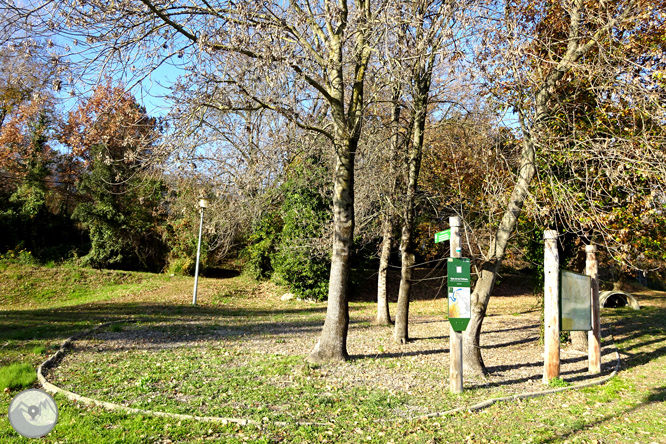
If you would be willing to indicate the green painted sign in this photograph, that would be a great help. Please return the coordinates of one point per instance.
(460, 300)
(443, 236)
(575, 302)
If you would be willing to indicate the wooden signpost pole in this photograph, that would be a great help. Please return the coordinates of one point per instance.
(456, 337)
(551, 309)
(594, 335)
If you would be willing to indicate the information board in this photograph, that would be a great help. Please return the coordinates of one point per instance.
(459, 283)
(575, 302)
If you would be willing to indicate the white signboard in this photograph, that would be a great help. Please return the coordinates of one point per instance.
(575, 302)
(459, 302)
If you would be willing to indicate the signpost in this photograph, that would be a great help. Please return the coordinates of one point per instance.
(594, 335)
(551, 307)
(459, 285)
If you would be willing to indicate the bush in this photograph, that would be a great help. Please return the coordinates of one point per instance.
(558, 382)
(301, 260)
(180, 266)
(123, 224)
(21, 256)
(289, 243)
(262, 245)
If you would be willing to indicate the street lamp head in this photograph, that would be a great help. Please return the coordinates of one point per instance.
(204, 201)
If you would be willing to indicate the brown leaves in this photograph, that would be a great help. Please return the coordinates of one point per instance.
(20, 137)
(112, 118)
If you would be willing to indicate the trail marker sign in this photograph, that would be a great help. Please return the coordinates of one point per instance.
(460, 301)
(443, 236)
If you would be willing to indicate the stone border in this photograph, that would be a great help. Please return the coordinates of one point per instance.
(54, 360)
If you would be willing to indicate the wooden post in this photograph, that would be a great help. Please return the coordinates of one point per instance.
(594, 335)
(551, 308)
(456, 337)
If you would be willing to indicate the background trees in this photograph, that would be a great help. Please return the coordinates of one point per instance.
(121, 205)
(31, 190)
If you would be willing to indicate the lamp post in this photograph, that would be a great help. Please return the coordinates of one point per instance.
(203, 203)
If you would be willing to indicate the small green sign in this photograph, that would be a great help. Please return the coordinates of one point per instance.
(460, 300)
(443, 236)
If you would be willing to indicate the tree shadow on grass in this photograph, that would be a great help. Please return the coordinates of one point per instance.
(61, 323)
(526, 327)
(394, 355)
(511, 343)
(638, 334)
(659, 395)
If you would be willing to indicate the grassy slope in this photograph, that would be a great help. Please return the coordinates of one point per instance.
(40, 307)
(30, 286)
(628, 409)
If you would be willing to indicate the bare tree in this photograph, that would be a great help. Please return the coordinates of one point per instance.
(388, 213)
(427, 33)
(245, 55)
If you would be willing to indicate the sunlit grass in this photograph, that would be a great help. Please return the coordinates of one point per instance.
(199, 377)
(17, 376)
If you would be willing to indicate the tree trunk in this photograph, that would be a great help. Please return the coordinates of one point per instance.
(619, 284)
(332, 344)
(472, 360)
(579, 340)
(401, 333)
(383, 315)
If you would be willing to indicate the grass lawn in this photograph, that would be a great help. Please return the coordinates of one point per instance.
(240, 352)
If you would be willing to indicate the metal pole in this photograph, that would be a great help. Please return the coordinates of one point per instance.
(455, 337)
(196, 269)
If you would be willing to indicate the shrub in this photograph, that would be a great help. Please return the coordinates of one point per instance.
(289, 244)
(558, 382)
(21, 256)
(262, 245)
(301, 260)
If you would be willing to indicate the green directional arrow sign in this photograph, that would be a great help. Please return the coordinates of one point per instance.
(443, 236)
